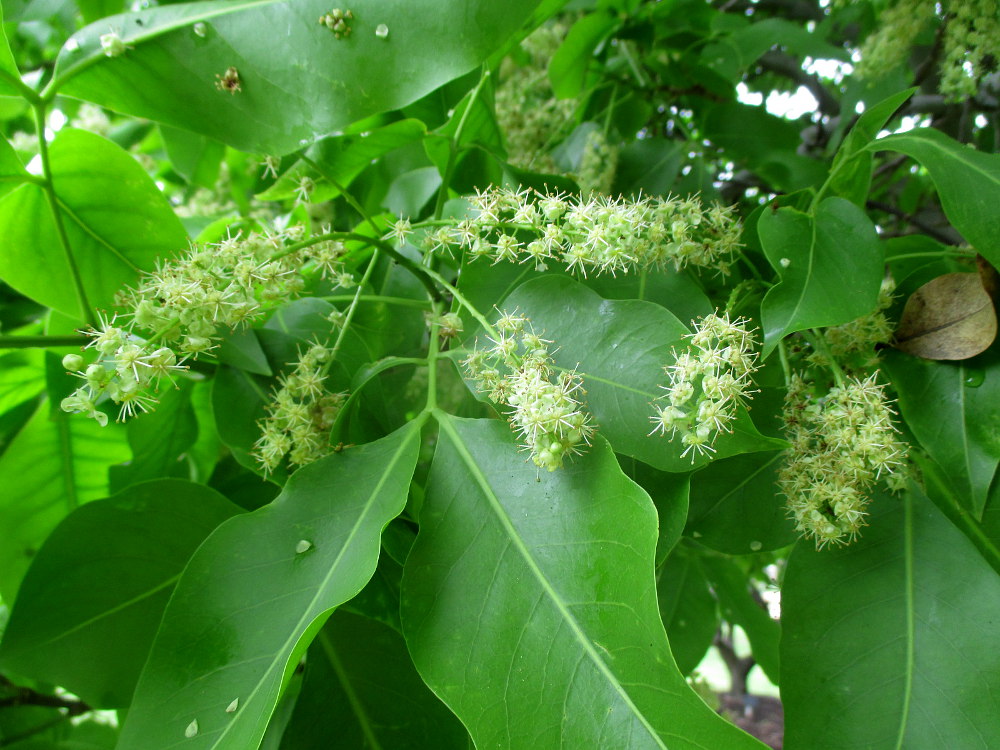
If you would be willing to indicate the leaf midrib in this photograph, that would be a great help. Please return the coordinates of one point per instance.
(444, 420)
(302, 624)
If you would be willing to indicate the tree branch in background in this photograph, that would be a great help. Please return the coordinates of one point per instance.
(14, 695)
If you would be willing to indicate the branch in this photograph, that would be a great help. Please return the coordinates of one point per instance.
(23, 696)
(739, 668)
(933, 232)
(795, 10)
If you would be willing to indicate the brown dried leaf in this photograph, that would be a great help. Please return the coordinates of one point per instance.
(989, 276)
(950, 317)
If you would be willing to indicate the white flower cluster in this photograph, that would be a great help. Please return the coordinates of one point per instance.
(840, 445)
(594, 235)
(177, 311)
(708, 382)
(300, 414)
(545, 409)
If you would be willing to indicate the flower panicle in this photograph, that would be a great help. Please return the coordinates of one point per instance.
(707, 382)
(177, 312)
(543, 403)
(841, 444)
(593, 235)
(300, 414)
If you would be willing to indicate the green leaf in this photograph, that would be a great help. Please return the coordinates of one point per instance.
(298, 81)
(568, 66)
(9, 75)
(687, 607)
(620, 348)
(735, 507)
(159, 439)
(953, 410)
(766, 143)
(361, 690)
(55, 463)
(80, 606)
(12, 171)
(670, 494)
(648, 166)
(22, 376)
(339, 159)
(196, 158)
(830, 268)
(117, 222)
(890, 642)
(851, 172)
(564, 646)
(968, 183)
(258, 590)
(740, 607)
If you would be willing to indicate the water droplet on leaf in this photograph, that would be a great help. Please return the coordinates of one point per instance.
(233, 706)
(304, 545)
(381, 31)
(755, 546)
(974, 377)
(192, 729)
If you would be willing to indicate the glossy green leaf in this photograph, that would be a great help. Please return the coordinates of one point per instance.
(740, 607)
(12, 171)
(830, 268)
(22, 374)
(240, 348)
(337, 160)
(736, 507)
(196, 158)
(953, 409)
(891, 641)
(361, 690)
(648, 166)
(80, 605)
(117, 223)
(55, 463)
(968, 183)
(568, 66)
(687, 607)
(9, 75)
(257, 591)
(298, 81)
(565, 648)
(670, 494)
(159, 439)
(851, 172)
(620, 348)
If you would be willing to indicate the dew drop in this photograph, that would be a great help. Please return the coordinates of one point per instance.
(231, 708)
(381, 31)
(72, 45)
(974, 377)
(200, 30)
(755, 546)
(192, 729)
(304, 545)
